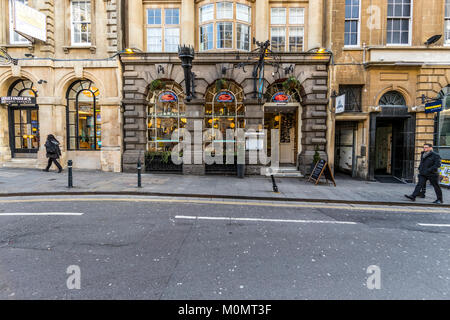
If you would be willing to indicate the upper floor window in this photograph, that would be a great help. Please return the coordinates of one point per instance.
(14, 37)
(80, 22)
(353, 97)
(351, 35)
(163, 29)
(287, 29)
(392, 98)
(399, 22)
(225, 25)
(447, 22)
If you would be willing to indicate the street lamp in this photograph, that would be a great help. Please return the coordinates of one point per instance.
(186, 55)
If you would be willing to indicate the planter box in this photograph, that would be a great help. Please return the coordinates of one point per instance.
(224, 168)
(157, 165)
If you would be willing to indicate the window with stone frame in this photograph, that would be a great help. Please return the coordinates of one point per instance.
(14, 37)
(351, 33)
(80, 22)
(447, 22)
(353, 97)
(163, 29)
(442, 125)
(287, 29)
(399, 19)
(225, 25)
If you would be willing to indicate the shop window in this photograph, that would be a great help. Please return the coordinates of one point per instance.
(442, 125)
(287, 29)
(166, 113)
(353, 99)
(83, 117)
(225, 25)
(447, 22)
(14, 37)
(351, 33)
(163, 29)
(399, 22)
(224, 109)
(392, 98)
(80, 22)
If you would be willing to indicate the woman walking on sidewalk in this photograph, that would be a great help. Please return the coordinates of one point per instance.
(53, 152)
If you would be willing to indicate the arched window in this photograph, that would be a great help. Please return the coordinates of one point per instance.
(442, 125)
(224, 108)
(23, 117)
(166, 113)
(392, 98)
(83, 117)
(225, 25)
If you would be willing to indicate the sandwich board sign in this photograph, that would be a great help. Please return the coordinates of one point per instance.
(322, 168)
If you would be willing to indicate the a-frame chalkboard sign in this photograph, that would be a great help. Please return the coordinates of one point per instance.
(322, 168)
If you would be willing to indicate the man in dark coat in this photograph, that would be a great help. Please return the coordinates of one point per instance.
(53, 152)
(430, 163)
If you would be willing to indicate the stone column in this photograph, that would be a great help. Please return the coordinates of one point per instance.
(46, 122)
(315, 25)
(5, 152)
(188, 22)
(135, 24)
(262, 21)
(110, 158)
(195, 113)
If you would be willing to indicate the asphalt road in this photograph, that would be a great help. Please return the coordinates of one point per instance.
(173, 248)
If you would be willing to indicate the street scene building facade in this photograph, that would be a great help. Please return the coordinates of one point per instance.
(288, 93)
(64, 67)
(390, 59)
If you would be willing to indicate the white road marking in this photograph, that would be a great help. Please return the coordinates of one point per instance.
(262, 220)
(41, 214)
(433, 225)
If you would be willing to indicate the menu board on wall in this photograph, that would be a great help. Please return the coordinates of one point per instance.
(444, 172)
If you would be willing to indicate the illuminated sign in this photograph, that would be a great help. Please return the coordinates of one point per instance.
(168, 96)
(21, 100)
(281, 97)
(225, 96)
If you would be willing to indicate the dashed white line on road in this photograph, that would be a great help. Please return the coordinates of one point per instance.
(433, 225)
(262, 220)
(41, 214)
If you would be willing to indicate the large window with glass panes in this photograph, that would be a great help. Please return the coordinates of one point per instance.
(163, 29)
(287, 28)
(225, 25)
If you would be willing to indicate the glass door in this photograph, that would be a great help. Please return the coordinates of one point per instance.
(24, 124)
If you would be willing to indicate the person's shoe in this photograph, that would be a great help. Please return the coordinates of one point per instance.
(438, 201)
(421, 195)
(60, 170)
(45, 170)
(412, 198)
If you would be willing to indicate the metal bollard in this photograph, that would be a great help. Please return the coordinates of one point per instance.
(69, 166)
(139, 169)
(274, 185)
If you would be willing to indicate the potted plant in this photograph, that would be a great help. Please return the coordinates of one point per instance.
(156, 85)
(316, 158)
(221, 84)
(291, 83)
(161, 161)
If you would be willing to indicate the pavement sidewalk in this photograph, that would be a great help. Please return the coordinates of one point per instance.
(15, 181)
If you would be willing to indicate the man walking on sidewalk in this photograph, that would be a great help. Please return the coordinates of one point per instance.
(53, 152)
(430, 163)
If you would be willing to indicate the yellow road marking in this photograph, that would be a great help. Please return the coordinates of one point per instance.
(240, 203)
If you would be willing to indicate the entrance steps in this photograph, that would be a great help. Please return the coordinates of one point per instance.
(24, 163)
(288, 172)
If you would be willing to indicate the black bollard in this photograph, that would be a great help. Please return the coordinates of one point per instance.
(69, 166)
(274, 185)
(139, 169)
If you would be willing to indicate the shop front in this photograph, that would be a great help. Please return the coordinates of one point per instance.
(226, 100)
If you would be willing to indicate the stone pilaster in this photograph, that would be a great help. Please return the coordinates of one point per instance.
(5, 151)
(188, 22)
(195, 114)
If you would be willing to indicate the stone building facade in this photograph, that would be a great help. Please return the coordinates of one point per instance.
(384, 65)
(222, 33)
(74, 79)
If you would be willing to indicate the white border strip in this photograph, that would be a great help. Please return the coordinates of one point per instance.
(262, 220)
(41, 214)
(433, 225)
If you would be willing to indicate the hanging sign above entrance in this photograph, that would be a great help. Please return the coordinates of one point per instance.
(340, 104)
(21, 100)
(168, 96)
(281, 97)
(322, 168)
(434, 106)
(225, 96)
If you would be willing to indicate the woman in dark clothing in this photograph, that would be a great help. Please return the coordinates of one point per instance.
(53, 152)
